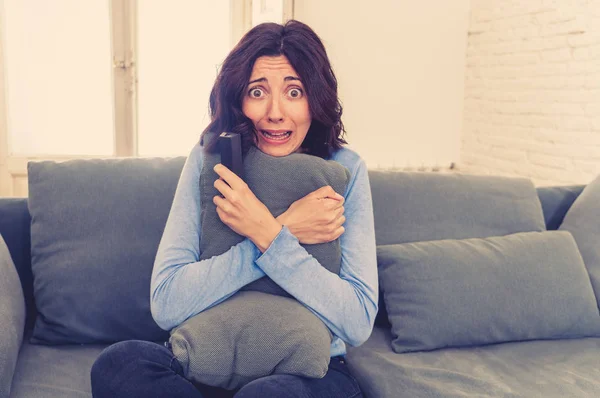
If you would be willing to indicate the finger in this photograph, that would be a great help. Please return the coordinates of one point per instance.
(324, 191)
(337, 196)
(330, 193)
(221, 204)
(220, 213)
(229, 176)
(339, 232)
(223, 188)
(330, 237)
(333, 218)
(331, 204)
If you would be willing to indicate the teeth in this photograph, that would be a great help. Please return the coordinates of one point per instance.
(281, 136)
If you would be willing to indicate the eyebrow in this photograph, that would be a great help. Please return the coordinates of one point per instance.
(287, 79)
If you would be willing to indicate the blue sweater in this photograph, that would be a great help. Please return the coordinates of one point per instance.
(182, 286)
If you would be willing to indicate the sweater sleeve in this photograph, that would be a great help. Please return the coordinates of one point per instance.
(182, 286)
(346, 303)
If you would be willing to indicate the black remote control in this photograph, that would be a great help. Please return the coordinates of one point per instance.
(230, 145)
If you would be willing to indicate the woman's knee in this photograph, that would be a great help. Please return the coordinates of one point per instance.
(115, 356)
(118, 360)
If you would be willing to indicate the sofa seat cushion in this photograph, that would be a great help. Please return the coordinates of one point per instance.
(539, 368)
(54, 371)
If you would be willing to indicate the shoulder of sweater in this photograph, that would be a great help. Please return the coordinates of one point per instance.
(348, 158)
(196, 152)
(196, 156)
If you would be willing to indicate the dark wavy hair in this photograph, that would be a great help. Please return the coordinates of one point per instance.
(306, 53)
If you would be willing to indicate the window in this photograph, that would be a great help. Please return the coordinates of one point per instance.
(181, 45)
(116, 77)
(58, 77)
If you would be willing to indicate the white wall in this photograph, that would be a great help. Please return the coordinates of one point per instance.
(400, 67)
(532, 94)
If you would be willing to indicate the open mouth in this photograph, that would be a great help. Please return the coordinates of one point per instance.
(276, 137)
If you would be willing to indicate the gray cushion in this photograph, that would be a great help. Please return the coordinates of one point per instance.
(55, 371)
(549, 369)
(277, 182)
(95, 229)
(453, 293)
(583, 221)
(250, 335)
(253, 334)
(412, 207)
(12, 318)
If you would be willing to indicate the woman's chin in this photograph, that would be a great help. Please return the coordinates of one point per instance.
(276, 151)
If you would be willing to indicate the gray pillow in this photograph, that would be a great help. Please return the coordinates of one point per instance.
(253, 334)
(583, 221)
(95, 228)
(455, 293)
(12, 318)
(277, 182)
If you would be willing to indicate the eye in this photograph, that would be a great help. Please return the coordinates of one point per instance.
(295, 92)
(255, 92)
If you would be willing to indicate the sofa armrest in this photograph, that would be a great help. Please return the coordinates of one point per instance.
(12, 318)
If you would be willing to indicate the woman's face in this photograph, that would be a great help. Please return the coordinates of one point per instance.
(276, 103)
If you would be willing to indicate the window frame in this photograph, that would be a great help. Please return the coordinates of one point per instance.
(123, 21)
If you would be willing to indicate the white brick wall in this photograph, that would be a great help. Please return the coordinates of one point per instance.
(532, 90)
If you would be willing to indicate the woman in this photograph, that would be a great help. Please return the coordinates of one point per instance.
(277, 89)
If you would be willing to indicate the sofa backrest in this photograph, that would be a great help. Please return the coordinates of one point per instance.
(15, 222)
(420, 206)
(556, 201)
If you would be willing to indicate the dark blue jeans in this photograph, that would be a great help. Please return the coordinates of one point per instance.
(142, 369)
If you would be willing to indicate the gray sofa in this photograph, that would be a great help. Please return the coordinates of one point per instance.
(82, 246)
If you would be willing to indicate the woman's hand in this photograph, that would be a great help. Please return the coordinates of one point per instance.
(241, 210)
(317, 217)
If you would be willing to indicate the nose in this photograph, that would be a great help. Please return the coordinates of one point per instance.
(275, 111)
